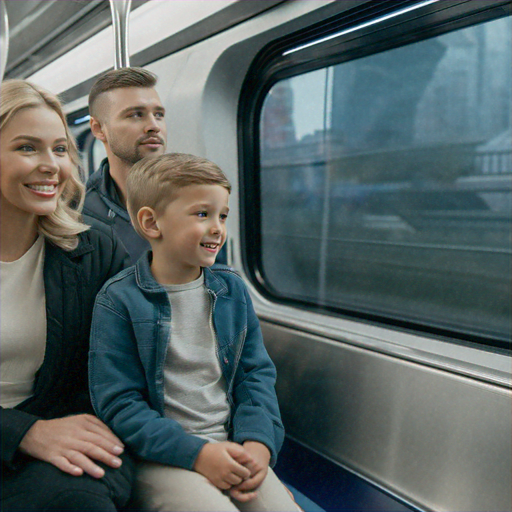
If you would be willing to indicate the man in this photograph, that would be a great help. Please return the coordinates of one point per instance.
(128, 117)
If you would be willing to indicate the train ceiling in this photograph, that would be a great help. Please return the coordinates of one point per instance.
(42, 30)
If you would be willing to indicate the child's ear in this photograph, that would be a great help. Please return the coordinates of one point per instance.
(146, 217)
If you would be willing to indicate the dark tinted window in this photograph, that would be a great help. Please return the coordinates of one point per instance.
(386, 184)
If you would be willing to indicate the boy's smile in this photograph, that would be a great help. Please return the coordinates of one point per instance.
(192, 232)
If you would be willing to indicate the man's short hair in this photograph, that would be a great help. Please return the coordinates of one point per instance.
(154, 181)
(119, 79)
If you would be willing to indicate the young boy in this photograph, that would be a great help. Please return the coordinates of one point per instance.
(178, 368)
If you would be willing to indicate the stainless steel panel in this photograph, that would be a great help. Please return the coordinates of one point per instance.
(441, 440)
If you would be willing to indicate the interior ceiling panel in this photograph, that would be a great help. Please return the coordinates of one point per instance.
(42, 30)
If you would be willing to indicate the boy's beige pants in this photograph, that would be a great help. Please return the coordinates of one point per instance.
(169, 489)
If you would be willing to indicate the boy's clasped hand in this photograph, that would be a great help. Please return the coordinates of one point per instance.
(239, 469)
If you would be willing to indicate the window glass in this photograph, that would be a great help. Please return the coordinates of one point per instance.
(386, 183)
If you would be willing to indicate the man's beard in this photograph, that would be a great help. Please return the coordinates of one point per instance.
(128, 155)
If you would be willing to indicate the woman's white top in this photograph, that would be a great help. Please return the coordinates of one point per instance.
(22, 324)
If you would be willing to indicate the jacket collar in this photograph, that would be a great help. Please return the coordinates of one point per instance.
(147, 282)
(213, 282)
(106, 188)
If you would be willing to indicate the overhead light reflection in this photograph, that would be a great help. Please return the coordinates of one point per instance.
(361, 26)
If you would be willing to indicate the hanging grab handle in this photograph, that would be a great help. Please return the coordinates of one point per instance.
(120, 17)
(4, 35)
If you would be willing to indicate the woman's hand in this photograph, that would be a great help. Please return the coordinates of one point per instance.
(246, 491)
(73, 443)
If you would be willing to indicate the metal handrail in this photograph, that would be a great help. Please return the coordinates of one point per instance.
(4, 38)
(120, 22)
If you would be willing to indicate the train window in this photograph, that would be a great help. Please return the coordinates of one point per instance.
(385, 185)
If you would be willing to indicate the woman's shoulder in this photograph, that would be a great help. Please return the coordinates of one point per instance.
(99, 251)
(101, 236)
(98, 232)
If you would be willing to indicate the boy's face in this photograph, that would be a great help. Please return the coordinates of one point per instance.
(193, 228)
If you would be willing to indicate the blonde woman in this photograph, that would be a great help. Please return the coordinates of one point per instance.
(56, 455)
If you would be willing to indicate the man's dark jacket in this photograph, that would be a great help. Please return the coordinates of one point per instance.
(71, 280)
(103, 203)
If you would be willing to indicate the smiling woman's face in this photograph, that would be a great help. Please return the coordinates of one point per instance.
(34, 163)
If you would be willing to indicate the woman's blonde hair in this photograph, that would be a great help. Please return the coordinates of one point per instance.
(64, 224)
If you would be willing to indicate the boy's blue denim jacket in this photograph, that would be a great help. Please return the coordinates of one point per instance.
(129, 337)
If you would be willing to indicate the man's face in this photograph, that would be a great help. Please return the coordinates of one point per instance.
(133, 123)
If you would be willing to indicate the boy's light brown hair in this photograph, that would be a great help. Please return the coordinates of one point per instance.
(154, 181)
(119, 79)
